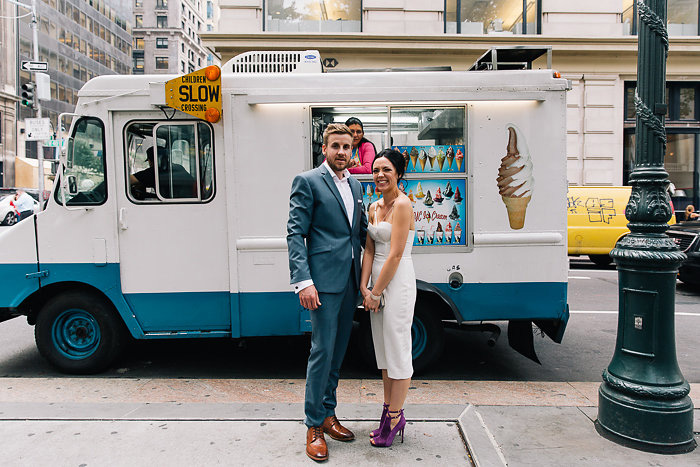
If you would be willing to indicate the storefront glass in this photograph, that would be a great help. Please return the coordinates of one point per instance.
(491, 17)
(682, 17)
(313, 15)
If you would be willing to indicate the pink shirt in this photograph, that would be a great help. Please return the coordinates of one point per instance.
(367, 155)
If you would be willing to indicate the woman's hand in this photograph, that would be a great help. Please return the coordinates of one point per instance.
(364, 291)
(370, 304)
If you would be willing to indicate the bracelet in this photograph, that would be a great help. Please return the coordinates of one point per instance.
(374, 297)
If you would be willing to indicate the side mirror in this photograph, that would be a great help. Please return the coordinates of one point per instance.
(72, 185)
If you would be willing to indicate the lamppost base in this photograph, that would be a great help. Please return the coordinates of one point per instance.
(662, 426)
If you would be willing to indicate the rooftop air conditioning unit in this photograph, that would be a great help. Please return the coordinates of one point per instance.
(266, 62)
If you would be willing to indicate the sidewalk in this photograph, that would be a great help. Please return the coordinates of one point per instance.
(122, 421)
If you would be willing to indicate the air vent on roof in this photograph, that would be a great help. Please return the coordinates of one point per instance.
(307, 61)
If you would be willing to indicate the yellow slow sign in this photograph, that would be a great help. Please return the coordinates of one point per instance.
(197, 93)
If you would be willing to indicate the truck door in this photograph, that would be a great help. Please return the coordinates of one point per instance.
(172, 226)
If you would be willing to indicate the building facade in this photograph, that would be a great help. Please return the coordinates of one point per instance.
(79, 40)
(166, 36)
(594, 45)
(8, 93)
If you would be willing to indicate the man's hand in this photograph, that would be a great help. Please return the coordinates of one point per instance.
(308, 298)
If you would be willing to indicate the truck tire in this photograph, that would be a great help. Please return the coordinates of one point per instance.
(600, 260)
(427, 336)
(79, 333)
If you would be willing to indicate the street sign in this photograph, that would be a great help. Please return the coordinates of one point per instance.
(29, 65)
(54, 143)
(38, 129)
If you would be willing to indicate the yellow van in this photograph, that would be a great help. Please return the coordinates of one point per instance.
(596, 220)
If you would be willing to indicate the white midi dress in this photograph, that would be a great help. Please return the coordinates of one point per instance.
(391, 327)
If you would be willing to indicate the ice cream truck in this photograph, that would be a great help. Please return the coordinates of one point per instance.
(168, 217)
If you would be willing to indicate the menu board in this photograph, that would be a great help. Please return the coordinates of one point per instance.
(433, 158)
(439, 208)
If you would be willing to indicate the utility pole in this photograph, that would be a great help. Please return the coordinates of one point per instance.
(39, 148)
(643, 401)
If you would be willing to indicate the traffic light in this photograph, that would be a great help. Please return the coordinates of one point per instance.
(28, 95)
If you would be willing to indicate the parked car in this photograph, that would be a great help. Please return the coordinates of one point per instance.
(8, 213)
(596, 220)
(687, 237)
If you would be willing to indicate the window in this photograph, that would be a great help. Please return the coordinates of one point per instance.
(313, 16)
(210, 9)
(492, 17)
(138, 3)
(138, 64)
(182, 168)
(161, 63)
(161, 21)
(83, 180)
(682, 158)
(682, 17)
(161, 43)
(139, 43)
(161, 3)
(138, 21)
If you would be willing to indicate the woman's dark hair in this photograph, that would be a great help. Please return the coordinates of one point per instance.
(354, 121)
(396, 159)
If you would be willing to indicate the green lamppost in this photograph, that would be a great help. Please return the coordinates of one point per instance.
(643, 401)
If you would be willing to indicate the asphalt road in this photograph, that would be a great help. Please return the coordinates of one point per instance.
(585, 351)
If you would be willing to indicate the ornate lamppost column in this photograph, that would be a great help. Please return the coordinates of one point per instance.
(643, 401)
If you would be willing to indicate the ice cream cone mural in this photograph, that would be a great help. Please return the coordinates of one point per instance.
(410, 196)
(420, 235)
(438, 197)
(450, 157)
(414, 157)
(422, 158)
(441, 158)
(405, 157)
(419, 191)
(458, 233)
(439, 234)
(448, 233)
(368, 191)
(515, 180)
(448, 191)
(428, 201)
(432, 154)
(459, 158)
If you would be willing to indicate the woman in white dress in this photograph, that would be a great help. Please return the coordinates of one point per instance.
(391, 300)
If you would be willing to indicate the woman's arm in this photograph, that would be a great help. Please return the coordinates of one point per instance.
(367, 258)
(399, 233)
(367, 155)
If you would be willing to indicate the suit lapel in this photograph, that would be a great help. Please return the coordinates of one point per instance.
(356, 196)
(328, 178)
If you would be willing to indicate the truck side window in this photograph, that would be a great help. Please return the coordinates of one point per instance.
(177, 168)
(85, 165)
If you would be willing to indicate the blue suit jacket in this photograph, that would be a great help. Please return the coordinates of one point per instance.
(317, 214)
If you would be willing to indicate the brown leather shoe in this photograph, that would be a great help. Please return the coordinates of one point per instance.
(335, 430)
(316, 447)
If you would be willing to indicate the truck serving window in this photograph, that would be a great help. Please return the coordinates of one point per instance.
(85, 165)
(177, 168)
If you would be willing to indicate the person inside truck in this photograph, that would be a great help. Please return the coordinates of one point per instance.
(24, 204)
(363, 150)
(175, 175)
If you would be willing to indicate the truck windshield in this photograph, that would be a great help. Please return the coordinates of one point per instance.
(85, 165)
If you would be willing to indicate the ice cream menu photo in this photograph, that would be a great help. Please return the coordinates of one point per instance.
(433, 158)
(439, 207)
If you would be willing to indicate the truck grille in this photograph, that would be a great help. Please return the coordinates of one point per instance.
(682, 239)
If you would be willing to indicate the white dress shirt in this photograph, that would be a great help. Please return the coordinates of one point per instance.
(343, 186)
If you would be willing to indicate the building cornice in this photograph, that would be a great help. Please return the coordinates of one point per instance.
(411, 44)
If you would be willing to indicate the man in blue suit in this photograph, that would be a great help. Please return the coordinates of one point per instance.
(325, 209)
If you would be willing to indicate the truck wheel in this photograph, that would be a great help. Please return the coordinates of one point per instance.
(10, 219)
(426, 335)
(600, 260)
(79, 333)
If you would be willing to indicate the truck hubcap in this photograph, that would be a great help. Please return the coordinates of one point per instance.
(76, 334)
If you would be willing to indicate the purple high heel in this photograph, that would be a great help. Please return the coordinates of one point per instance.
(382, 422)
(386, 437)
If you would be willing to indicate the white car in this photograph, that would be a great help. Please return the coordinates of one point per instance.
(8, 213)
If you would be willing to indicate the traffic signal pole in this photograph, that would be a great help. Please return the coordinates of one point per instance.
(39, 148)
